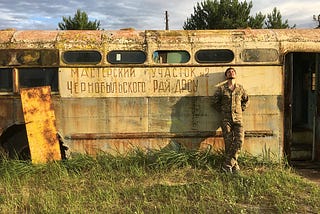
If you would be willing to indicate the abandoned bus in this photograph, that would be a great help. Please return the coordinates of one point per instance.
(117, 90)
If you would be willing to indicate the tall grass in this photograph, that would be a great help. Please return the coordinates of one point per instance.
(163, 181)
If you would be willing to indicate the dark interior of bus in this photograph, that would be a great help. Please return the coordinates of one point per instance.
(301, 101)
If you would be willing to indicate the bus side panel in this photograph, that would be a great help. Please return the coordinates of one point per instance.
(6, 112)
(263, 126)
(10, 111)
(119, 124)
(182, 114)
(103, 115)
(173, 113)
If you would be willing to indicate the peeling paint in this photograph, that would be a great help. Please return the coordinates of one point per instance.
(40, 124)
(115, 107)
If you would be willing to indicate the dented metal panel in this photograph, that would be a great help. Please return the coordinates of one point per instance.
(40, 124)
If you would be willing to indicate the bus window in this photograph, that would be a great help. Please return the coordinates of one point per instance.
(6, 83)
(34, 77)
(29, 57)
(259, 55)
(214, 56)
(81, 57)
(171, 56)
(126, 57)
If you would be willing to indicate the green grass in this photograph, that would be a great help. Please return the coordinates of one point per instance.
(155, 182)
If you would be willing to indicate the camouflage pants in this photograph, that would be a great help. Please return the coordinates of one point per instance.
(233, 135)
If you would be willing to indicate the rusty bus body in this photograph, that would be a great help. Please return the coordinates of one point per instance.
(117, 90)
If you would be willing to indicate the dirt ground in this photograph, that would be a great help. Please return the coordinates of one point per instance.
(310, 174)
(308, 170)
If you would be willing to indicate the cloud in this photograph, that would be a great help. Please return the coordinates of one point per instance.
(138, 14)
(296, 12)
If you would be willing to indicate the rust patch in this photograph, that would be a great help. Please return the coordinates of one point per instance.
(5, 36)
(30, 94)
(44, 97)
(50, 156)
(40, 123)
(31, 111)
(35, 36)
(94, 36)
(47, 133)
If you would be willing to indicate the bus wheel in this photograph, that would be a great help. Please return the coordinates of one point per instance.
(15, 142)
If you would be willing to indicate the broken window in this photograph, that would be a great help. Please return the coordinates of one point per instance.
(6, 80)
(34, 77)
(171, 56)
(29, 57)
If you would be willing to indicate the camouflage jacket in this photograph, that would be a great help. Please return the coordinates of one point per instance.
(231, 104)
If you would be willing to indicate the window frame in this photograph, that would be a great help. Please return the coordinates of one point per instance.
(260, 54)
(74, 62)
(54, 75)
(29, 57)
(165, 56)
(217, 51)
(112, 53)
(9, 80)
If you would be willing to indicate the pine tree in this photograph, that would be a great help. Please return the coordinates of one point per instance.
(80, 21)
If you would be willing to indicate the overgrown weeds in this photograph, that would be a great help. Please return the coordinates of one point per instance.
(161, 181)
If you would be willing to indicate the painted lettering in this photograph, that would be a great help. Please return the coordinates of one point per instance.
(181, 72)
(83, 87)
(69, 86)
(84, 73)
(186, 85)
(205, 73)
(106, 73)
(76, 85)
(105, 87)
(90, 87)
(74, 72)
(161, 86)
(119, 72)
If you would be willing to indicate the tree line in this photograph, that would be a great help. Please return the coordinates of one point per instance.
(208, 14)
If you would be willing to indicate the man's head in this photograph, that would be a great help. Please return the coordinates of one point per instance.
(230, 73)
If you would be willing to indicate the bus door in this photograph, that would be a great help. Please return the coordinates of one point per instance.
(302, 107)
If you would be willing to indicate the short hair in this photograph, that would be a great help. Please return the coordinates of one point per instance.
(228, 69)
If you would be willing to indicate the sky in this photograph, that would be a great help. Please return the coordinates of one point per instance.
(137, 14)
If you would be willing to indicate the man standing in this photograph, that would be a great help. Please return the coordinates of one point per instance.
(231, 100)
